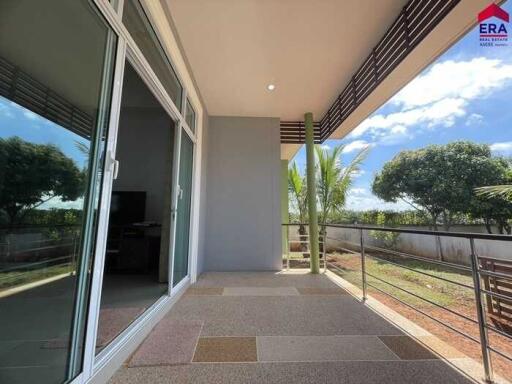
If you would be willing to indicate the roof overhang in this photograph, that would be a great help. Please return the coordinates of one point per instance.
(310, 50)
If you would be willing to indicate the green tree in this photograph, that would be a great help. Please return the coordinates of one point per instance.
(440, 179)
(31, 174)
(494, 203)
(388, 239)
(298, 197)
(334, 179)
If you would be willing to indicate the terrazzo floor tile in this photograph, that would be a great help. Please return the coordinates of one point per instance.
(282, 316)
(344, 372)
(113, 321)
(204, 291)
(322, 348)
(170, 342)
(262, 279)
(407, 348)
(260, 291)
(226, 349)
(314, 291)
(316, 324)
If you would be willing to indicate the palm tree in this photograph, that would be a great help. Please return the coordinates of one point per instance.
(504, 191)
(298, 196)
(334, 180)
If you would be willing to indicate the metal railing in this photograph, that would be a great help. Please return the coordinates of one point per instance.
(303, 241)
(21, 256)
(363, 248)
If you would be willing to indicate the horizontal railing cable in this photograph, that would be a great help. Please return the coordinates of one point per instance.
(426, 314)
(424, 299)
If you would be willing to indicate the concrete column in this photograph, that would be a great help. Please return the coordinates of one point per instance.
(284, 204)
(311, 184)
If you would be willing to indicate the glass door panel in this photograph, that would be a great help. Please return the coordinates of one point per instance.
(181, 246)
(136, 261)
(55, 82)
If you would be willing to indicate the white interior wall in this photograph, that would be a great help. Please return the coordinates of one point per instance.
(144, 151)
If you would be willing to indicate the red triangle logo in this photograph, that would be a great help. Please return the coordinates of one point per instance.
(493, 10)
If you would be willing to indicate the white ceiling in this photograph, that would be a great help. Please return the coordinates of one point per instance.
(307, 48)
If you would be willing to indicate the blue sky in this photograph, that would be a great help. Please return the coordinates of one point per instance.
(464, 95)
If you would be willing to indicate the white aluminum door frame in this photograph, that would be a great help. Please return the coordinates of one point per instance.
(127, 50)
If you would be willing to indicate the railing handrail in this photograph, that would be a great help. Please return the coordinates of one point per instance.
(465, 235)
(30, 265)
(28, 226)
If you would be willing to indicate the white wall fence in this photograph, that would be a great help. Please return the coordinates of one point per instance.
(449, 249)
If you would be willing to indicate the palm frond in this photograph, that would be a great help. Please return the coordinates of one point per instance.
(333, 181)
(503, 191)
(295, 184)
(297, 190)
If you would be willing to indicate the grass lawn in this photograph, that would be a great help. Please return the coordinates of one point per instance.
(13, 279)
(438, 291)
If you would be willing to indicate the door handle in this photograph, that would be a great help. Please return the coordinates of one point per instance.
(115, 171)
(113, 164)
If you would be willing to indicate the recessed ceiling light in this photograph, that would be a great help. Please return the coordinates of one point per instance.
(271, 87)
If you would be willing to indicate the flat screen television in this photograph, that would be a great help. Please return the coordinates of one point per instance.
(127, 207)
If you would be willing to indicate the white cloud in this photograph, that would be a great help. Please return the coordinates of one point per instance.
(356, 145)
(30, 115)
(474, 119)
(503, 148)
(358, 173)
(5, 111)
(360, 199)
(325, 147)
(437, 98)
(442, 113)
(357, 191)
(57, 203)
(355, 174)
(455, 79)
(395, 135)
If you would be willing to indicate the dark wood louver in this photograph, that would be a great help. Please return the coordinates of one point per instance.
(417, 19)
(24, 90)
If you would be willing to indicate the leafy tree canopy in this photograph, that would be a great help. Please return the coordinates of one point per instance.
(440, 179)
(31, 174)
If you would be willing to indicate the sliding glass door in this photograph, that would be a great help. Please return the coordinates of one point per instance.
(56, 64)
(136, 265)
(183, 208)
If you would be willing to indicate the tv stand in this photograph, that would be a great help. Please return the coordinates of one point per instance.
(133, 247)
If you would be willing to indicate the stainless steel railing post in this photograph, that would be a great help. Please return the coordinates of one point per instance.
(324, 253)
(363, 264)
(288, 248)
(480, 310)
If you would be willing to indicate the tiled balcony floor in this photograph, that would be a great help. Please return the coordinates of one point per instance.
(264, 327)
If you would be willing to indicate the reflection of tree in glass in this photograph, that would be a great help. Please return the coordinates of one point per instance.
(31, 174)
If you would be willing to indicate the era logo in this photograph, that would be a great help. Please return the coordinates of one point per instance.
(493, 28)
(493, 32)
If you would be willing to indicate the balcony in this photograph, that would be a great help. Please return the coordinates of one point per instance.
(352, 323)
(241, 327)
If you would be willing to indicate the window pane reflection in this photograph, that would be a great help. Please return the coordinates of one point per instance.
(55, 57)
(142, 32)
